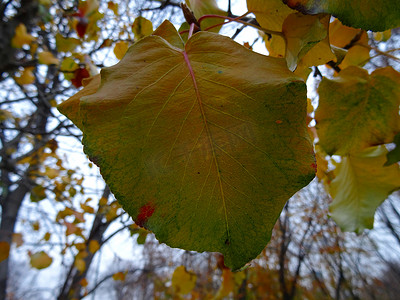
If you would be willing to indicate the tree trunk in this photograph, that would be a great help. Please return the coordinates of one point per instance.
(10, 208)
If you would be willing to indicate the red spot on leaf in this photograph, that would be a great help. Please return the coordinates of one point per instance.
(314, 165)
(145, 212)
(278, 122)
(297, 5)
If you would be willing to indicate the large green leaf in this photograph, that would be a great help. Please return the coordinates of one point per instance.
(201, 145)
(361, 184)
(357, 110)
(375, 15)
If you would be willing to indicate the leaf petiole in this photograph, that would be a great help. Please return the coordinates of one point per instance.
(191, 30)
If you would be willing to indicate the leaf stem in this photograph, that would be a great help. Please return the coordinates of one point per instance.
(238, 20)
(191, 30)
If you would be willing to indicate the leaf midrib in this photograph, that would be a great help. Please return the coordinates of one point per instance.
(198, 97)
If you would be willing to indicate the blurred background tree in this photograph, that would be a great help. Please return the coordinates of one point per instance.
(58, 216)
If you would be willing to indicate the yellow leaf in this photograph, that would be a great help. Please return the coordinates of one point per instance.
(228, 284)
(80, 265)
(341, 35)
(120, 49)
(356, 56)
(103, 201)
(41, 260)
(36, 226)
(310, 107)
(47, 58)
(113, 6)
(322, 164)
(119, 276)
(84, 282)
(4, 250)
(94, 246)
(87, 208)
(355, 41)
(66, 44)
(142, 27)
(183, 282)
(275, 45)
(51, 173)
(303, 33)
(38, 193)
(53, 103)
(206, 7)
(383, 36)
(21, 37)
(361, 184)
(26, 76)
(47, 236)
(80, 246)
(5, 115)
(82, 253)
(270, 14)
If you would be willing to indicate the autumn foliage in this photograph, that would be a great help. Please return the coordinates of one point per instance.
(255, 164)
(233, 127)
